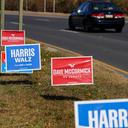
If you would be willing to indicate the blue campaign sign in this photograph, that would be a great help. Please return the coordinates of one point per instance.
(3, 70)
(102, 114)
(3, 67)
(23, 57)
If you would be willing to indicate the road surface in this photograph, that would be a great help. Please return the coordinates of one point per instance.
(106, 46)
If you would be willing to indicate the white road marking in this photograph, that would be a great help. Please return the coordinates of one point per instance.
(15, 23)
(45, 20)
(69, 31)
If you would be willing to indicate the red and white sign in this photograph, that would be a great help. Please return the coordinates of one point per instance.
(71, 71)
(3, 56)
(12, 37)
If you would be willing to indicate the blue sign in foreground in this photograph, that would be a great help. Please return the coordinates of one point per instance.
(23, 57)
(102, 114)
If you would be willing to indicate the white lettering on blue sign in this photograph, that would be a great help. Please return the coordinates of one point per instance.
(102, 114)
(22, 52)
(108, 119)
(23, 57)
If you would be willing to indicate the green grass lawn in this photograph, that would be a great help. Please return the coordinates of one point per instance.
(29, 101)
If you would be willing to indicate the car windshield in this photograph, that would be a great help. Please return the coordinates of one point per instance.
(104, 6)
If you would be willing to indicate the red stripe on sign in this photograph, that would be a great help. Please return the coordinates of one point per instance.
(3, 56)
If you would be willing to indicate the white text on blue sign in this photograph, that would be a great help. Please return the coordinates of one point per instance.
(23, 57)
(113, 114)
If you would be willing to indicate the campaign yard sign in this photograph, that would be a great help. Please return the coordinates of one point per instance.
(102, 114)
(2, 56)
(3, 65)
(71, 71)
(23, 57)
(12, 37)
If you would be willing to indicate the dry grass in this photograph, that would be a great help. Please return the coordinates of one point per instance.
(28, 101)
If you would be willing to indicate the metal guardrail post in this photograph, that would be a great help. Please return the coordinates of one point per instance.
(21, 15)
(2, 13)
(45, 5)
(54, 6)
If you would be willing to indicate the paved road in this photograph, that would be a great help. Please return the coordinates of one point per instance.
(106, 46)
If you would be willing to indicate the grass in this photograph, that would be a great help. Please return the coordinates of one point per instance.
(29, 101)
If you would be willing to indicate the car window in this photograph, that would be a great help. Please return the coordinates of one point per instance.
(86, 7)
(82, 6)
(104, 6)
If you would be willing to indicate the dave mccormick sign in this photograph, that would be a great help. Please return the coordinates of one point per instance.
(23, 57)
(101, 114)
(12, 37)
(71, 71)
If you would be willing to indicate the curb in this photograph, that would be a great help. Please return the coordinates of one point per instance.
(108, 66)
(30, 13)
(50, 14)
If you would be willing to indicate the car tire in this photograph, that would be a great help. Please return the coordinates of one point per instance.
(87, 28)
(70, 24)
(118, 30)
(102, 29)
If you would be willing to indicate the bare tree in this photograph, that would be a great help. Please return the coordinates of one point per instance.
(59, 5)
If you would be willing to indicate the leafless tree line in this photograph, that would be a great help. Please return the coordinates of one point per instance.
(60, 5)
